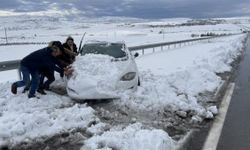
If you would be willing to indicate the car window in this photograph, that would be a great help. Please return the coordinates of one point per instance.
(112, 49)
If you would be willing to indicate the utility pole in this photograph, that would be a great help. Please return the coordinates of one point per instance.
(5, 30)
(115, 35)
(163, 34)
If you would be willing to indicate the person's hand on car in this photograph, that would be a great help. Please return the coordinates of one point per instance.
(68, 70)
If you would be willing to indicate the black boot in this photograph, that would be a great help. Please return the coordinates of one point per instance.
(14, 88)
(41, 91)
(33, 96)
(25, 90)
(47, 88)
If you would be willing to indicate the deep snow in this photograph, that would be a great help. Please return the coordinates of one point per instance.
(172, 79)
(23, 119)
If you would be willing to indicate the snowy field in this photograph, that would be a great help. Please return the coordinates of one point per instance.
(133, 31)
(171, 81)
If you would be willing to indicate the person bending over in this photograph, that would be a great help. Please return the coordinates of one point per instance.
(32, 64)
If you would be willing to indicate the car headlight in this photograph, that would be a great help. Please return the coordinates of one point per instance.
(128, 76)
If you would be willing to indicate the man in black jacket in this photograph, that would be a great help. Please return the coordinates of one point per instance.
(34, 63)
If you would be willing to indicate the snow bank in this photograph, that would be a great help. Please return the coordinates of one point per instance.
(173, 79)
(23, 119)
(133, 137)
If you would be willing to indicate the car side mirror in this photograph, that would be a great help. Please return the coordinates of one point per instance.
(136, 54)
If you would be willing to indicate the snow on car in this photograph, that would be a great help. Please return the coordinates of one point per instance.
(103, 70)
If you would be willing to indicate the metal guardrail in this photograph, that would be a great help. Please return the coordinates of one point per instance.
(161, 45)
(23, 43)
(14, 64)
(9, 65)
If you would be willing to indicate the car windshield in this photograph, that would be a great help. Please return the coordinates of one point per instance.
(112, 49)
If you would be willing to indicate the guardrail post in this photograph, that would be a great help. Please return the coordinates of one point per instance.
(142, 51)
(161, 48)
(19, 73)
(153, 50)
(5, 31)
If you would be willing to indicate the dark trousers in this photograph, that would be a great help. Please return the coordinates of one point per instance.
(26, 73)
(50, 78)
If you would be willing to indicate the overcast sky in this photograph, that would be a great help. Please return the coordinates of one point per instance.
(130, 8)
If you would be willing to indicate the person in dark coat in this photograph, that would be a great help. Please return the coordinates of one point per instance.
(70, 50)
(32, 65)
(70, 45)
(49, 73)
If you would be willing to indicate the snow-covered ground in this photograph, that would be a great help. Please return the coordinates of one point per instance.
(133, 137)
(171, 80)
(25, 120)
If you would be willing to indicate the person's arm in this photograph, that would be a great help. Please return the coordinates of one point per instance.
(57, 66)
(54, 67)
(70, 52)
(59, 70)
(71, 55)
(59, 63)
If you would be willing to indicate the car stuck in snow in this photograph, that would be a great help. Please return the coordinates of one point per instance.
(102, 71)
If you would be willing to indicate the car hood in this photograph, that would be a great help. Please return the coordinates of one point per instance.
(96, 71)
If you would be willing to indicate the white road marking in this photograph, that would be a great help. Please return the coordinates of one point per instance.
(215, 132)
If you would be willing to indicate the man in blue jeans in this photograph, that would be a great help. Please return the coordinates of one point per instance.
(32, 65)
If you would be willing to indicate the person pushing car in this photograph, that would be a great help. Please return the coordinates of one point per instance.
(34, 63)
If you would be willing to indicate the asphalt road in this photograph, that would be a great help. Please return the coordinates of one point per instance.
(236, 130)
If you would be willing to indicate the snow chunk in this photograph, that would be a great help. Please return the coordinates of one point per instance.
(196, 119)
(133, 137)
(209, 115)
(98, 128)
(213, 109)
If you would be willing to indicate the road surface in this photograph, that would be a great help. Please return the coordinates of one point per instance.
(236, 130)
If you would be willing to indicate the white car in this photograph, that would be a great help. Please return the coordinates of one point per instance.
(103, 71)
